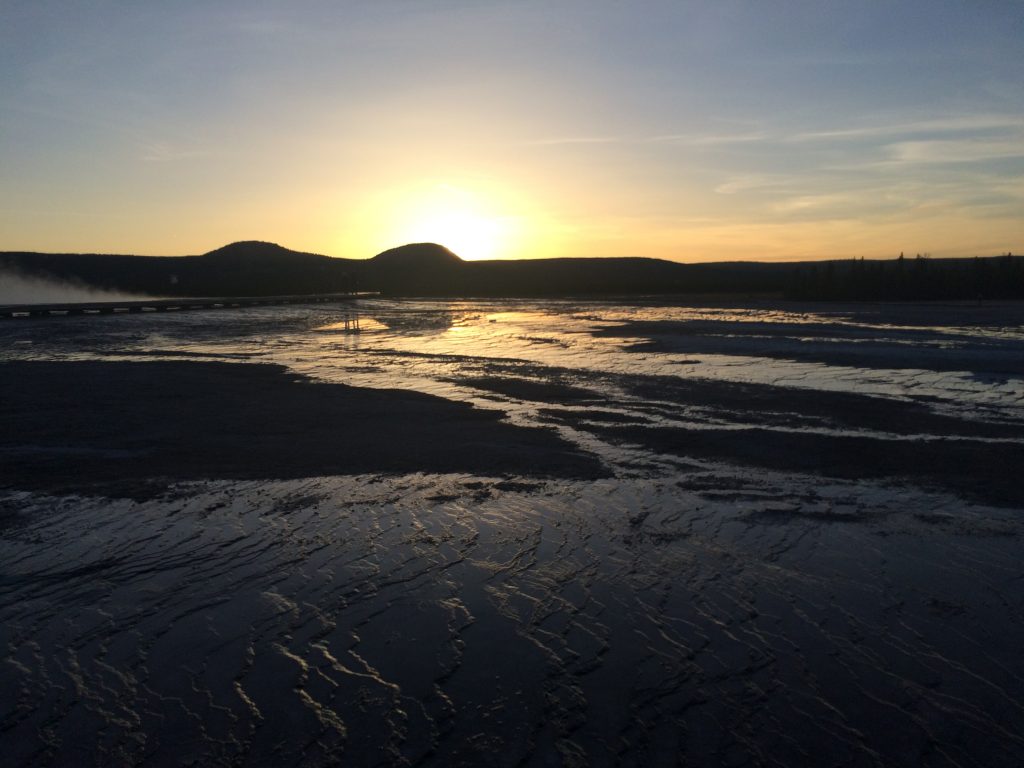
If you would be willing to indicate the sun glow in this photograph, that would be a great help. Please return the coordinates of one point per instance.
(469, 234)
(473, 224)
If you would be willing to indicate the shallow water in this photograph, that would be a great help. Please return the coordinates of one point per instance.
(708, 605)
(420, 344)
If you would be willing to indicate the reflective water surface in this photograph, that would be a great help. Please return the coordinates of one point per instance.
(809, 551)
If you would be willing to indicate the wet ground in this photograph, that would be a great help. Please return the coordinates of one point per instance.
(803, 545)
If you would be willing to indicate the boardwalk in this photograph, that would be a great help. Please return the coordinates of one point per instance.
(167, 305)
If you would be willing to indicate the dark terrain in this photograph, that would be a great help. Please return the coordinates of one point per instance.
(514, 533)
(254, 268)
(129, 429)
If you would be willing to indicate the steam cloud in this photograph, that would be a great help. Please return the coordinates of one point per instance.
(16, 288)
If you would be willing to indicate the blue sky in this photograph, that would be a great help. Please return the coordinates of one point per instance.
(691, 131)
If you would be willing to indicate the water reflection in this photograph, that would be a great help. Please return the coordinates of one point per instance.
(569, 335)
(767, 517)
(428, 321)
(428, 345)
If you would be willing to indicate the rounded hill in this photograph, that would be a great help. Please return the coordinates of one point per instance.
(417, 256)
(251, 251)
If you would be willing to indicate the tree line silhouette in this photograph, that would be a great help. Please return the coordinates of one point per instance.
(910, 279)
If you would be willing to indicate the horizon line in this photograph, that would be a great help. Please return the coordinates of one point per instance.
(772, 260)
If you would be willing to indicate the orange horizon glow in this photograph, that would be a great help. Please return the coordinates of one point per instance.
(493, 218)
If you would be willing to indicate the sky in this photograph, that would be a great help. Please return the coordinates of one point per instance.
(692, 131)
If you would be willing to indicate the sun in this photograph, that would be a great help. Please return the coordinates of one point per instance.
(470, 234)
(468, 222)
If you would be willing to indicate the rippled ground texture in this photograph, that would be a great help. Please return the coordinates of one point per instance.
(806, 550)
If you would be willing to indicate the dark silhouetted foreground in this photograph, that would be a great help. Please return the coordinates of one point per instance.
(112, 427)
(427, 269)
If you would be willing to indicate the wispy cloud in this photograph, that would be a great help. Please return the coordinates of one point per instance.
(750, 182)
(939, 125)
(165, 152)
(1010, 127)
(954, 151)
(879, 198)
(809, 203)
(561, 140)
(688, 139)
(698, 140)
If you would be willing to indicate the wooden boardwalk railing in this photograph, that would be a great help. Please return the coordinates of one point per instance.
(168, 305)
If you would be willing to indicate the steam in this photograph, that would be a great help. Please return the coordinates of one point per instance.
(16, 288)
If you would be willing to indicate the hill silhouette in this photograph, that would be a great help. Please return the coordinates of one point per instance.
(256, 268)
(418, 256)
(414, 269)
(258, 251)
(246, 268)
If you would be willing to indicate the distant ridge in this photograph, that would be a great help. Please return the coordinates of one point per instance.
(257, 268)
(257, 250)
(418, 256)
(244, 268)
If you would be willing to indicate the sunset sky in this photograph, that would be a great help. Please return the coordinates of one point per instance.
(689, 131)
